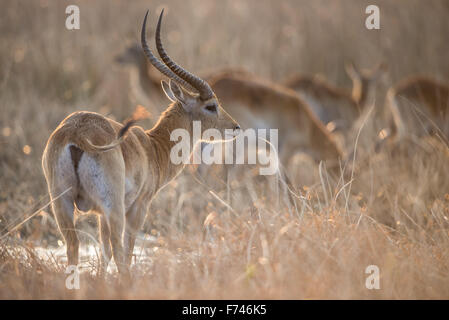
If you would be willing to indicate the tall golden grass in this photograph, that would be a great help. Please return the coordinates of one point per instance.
(388, 209)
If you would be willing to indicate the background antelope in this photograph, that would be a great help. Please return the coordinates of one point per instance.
(419, 106)
(145, 79)
(335, 107)
(262, 104)
(116, 170)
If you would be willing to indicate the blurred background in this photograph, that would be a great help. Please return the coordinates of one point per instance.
(47, 72)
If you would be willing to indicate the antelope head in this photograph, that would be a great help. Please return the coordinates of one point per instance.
(192, 93)
(364, 81)
(132, 55)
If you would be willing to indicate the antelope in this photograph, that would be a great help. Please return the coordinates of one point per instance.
(93, 163)
(419, 106)
(145, 79)
(337, 108)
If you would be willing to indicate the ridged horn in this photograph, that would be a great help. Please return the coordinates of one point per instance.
(157, 63)
(199, 84)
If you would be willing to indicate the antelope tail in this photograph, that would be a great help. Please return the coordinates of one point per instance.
(120, 138)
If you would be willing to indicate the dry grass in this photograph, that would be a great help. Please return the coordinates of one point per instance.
(394, 214)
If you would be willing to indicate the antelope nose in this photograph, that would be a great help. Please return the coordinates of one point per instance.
(237, 130)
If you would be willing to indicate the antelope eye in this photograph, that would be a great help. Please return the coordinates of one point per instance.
(211, 108)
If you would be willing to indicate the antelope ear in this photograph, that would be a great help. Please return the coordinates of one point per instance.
(177, 91)
(351, 70)
(167, 90)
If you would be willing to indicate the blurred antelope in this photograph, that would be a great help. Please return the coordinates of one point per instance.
(419, 106)
(261, 104)
(337, 108)
(144, 78)
(116, 169)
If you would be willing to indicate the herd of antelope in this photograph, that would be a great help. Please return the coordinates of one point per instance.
(92, 162)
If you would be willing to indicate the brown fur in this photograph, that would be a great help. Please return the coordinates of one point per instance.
(419, 105)
(335, 105)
